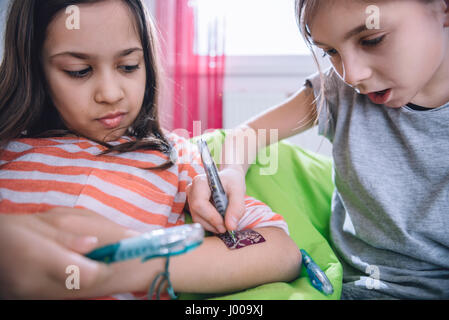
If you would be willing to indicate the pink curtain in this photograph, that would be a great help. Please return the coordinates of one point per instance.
(194, 84)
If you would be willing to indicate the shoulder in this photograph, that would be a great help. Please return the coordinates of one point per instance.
(329, 83)
(188, 158)
(48, 149)
(31, 145)
(186, 150)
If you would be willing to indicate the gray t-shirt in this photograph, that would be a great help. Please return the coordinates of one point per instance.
(390, 209)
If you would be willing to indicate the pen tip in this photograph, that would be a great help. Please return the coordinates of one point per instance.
(232, 234)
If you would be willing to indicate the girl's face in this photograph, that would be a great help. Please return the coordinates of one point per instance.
(408, 54)
(96, 74)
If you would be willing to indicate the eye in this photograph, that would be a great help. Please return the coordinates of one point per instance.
(130, 69)
(330, 53)
(83, 73)
(79, 74)
(372, 42)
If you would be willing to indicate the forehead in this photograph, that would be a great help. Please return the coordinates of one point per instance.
(105, 27)
(335, 20)
(325, 16)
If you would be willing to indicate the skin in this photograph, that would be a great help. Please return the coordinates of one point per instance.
(106, 87)
(65, 234)
(415, 34)
(412, 60)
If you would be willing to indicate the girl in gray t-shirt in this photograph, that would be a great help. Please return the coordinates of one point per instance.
(384, 105)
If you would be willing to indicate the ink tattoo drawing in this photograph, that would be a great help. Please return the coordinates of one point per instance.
(244, 238)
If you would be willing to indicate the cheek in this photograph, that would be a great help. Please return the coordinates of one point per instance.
(68, 99)
(421, 52)
(136, 92)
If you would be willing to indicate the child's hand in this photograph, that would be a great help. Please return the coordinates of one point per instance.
(202, 210)
(36, 249)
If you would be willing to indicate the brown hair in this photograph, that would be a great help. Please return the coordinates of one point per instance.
(26, 109)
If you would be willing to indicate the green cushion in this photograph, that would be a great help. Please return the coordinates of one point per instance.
(300, 190)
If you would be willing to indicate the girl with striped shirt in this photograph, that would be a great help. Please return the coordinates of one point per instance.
(82, 151)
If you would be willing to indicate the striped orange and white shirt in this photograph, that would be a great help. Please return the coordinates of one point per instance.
(39, 174)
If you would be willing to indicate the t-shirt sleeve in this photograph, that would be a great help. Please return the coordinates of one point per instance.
(257, 213)
(326, 101)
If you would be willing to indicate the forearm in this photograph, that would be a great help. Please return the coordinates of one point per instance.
(213, 268)
(241, 147)
(243, 143)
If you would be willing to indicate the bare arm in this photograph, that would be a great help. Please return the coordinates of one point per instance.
(40, 247)
(213, 268)
(290, 118)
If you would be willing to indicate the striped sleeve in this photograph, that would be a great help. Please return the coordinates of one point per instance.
(257, 214)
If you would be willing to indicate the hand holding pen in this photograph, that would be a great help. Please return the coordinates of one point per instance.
(219, 198)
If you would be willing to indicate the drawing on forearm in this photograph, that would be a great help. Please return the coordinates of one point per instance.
(244, 238)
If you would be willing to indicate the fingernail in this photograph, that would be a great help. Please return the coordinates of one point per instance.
(90, 240)
(87, 243)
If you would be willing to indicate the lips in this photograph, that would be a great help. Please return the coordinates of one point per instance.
(113, 120)
(380, 97)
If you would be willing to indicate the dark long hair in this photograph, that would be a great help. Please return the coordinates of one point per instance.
(26, 109)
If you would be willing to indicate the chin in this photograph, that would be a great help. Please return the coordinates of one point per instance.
(396, 103)
(395, 106)
(113, 136)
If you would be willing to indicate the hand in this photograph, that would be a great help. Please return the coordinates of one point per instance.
(202, 210)
(35, 250)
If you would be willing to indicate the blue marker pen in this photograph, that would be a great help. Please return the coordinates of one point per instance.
(158, 243)
(317, 277)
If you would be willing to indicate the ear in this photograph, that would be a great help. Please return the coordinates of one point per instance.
(446, 11)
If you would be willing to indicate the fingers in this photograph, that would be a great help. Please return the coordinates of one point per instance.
(37, 265)
(235, 190)
(206, 225)
(235, 210)
(201, 209)
(39, 223)
(72, 275)
(203, 212)
(80, 244)
(85, 223)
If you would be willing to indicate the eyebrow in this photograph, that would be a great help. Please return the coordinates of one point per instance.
(348, 35)
(84, 56)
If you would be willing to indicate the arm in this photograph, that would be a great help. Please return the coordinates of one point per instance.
(213, 268)
(65, 234)
(290, 118)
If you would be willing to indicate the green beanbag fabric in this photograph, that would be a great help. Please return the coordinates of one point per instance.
(300, 190)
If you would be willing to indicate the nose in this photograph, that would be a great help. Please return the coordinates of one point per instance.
(355, 71)
(109, 89)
